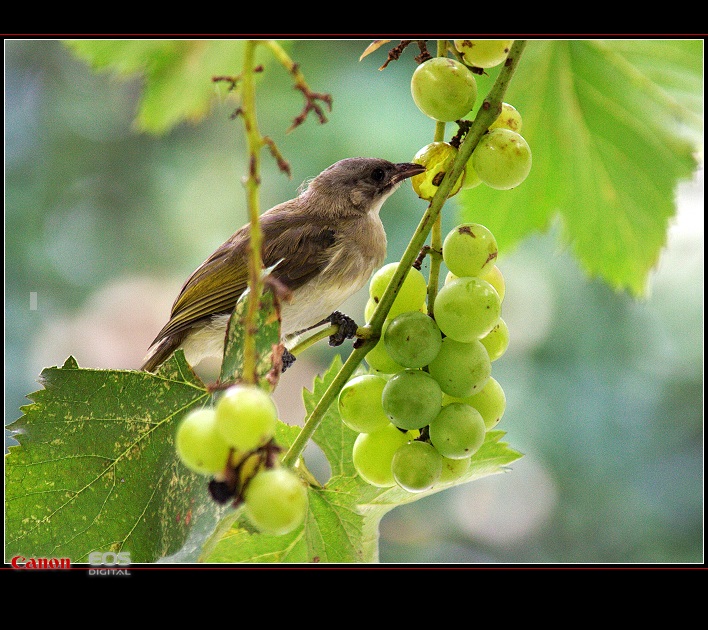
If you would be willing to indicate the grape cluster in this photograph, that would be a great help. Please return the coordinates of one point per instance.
(423, 408)
(233, 441)
(445, 90)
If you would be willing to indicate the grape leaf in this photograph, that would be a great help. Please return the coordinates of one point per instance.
(96, 468)
(267, 341)
(344, 515)
(177, 74)
(613, 126)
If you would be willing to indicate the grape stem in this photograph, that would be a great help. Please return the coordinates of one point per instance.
(488, 113)
(255, 284)
(436, 231)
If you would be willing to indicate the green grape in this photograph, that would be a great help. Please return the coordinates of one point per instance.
(416, 466)
(495, 277)
(470, 249)
(472, 180)
(461, 369)
(502, 159)
(373, 453)
(490, 401)
(437, 157)
(360, 403)
(411, 399)
(276, 500)
(453, 469)
(458, 431)
(246, 416)
(412, 339)
(496, 341)
(467, 308)
(443, 89)
(199, 445)
(509, 118)
(378, 357)
(411, 294)
(483, 53)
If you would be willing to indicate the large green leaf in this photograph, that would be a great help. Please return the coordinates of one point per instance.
(177, 74)
(344, 515)
(613, 127)
(96, 468)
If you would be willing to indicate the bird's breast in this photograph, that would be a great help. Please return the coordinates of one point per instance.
(357, 252)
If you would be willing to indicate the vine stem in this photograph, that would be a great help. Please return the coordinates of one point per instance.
(252, 183)
(436, 231)
(488, 113)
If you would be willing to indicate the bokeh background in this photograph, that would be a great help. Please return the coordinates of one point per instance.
(605, 393)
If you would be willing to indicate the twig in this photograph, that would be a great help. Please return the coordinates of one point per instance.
(252, 183)
(311, 98)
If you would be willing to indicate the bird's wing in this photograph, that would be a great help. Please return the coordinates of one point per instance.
(302, 254)
(213, 288)
(218, 282)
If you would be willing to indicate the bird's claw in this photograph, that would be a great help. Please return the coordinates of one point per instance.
(347, 328)
(287, 359)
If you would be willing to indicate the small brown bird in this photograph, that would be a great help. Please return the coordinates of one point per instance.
(326, 242)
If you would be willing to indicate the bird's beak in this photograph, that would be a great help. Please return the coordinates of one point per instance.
(406, 170)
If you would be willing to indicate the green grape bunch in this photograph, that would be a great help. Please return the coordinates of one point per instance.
(424, 408)
(233, 442)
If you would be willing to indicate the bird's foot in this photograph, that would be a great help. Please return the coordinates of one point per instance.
(347, 328)
(288, 359)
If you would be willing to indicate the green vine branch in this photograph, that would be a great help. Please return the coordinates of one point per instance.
(255, 142)
(488, 112)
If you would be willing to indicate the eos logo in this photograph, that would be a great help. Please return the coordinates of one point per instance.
(109, 562)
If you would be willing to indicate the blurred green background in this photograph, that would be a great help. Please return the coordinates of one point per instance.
(605, 393)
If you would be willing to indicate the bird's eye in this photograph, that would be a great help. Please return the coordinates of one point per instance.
(378, 174)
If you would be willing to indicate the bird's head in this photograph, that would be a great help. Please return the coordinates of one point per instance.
(360, 184)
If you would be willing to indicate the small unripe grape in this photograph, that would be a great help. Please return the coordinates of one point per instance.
(199, 444)
(246, 416)
(461, 369)
(484, 53)
(437, 157)
(411, 294)
(413, 339)
(411, 399)
(359, 403)
(495, 277)
(378, 357)
(416, 466)
(509, 118)
(458, 431)
(276, 500)
(467, 308)
(490, 401)
(496, 341)
(372, 454)
(453, 469)
(472, 180)
(443, 89)
(470, 249)
(502, 159)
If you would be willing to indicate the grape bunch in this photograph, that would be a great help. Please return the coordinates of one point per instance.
(423, 408)
(233, 441)
(445, 90)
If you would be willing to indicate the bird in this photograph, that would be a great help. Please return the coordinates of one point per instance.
(323, 246)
